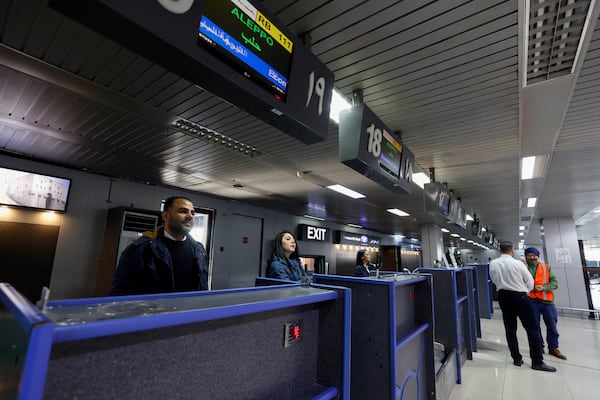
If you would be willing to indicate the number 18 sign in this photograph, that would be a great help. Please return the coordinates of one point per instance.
(369, 147)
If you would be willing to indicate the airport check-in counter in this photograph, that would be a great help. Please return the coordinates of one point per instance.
(392, 336)
(484, 290)
(452, 322)
(284, 342)
(465, 281)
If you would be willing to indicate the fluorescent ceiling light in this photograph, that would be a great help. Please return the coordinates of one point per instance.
(463, 239)
(345, 191)
(355, 226)
(454, 235)
(597, 211)
(531, 202)
(527, 167)
(421, 178)
(521, 234)
(445, 230)
(483, 229)
(469, 218)
(338, 103)
(398, 237)
(414, 239)
(313, 217)
(397, 212)
(521, 228)
(470, 241)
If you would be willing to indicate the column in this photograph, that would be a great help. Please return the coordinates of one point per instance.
(561, 253)
(432, 244)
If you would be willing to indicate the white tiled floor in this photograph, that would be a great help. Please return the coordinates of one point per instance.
(491, 374)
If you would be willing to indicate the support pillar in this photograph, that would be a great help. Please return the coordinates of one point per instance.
(561, 253)
(432, 245)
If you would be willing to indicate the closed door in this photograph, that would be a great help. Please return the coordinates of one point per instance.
(244, 251)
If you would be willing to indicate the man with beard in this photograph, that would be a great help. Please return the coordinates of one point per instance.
(165, 260)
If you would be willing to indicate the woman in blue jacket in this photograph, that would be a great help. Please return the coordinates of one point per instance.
(285, 261)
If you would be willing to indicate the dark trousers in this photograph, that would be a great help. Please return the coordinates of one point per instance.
(548, 312)
(517, 305)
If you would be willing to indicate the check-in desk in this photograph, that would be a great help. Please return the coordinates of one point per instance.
(284, 342)
(392, 336)
(484, 290)
(452, 320)
(470, 289)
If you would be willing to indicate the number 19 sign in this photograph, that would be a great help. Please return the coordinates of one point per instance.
(371, 148)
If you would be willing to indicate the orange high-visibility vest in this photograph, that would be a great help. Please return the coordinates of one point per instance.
(542, 277)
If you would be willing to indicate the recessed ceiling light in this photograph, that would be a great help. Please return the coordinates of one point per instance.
(445, 230)
(397, 212)
(469, 218)
(346, 192)
(338, 103)
(421, 178)
(531, 202)
(454, 235)
(521, 228)
(527, 167)
(313, 217)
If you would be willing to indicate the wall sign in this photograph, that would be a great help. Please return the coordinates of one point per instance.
(234, 49)
(369, 147)
(357, 239)
(314, 233)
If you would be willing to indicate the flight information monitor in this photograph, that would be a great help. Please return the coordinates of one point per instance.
(246, 38)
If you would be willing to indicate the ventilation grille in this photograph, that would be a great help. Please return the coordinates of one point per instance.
(555, 30)
(135, 222)
(525, 219)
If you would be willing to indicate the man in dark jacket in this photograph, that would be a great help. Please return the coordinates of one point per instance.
(166, 260)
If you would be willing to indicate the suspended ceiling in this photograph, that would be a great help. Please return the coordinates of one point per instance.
(451, 76)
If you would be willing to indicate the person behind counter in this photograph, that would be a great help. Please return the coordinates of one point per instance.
(165, 260)
(285, 261)
(363, 260)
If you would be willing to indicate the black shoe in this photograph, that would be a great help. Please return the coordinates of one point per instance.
(543, 367)
(518, 363)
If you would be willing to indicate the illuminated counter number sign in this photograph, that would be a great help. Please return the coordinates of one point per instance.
(367, 145)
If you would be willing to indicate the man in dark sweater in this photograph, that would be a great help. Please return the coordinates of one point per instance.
(165, 260)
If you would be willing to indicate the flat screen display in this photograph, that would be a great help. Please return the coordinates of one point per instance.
(443, 200)
(238, 32)
(31, 190)
(391, 153)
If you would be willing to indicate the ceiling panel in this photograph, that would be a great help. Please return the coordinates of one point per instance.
(443, 74)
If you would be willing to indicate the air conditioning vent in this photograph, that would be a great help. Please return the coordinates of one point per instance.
(555, 31)
(136, 222)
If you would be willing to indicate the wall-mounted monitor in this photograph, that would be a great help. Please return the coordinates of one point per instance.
(33, 190)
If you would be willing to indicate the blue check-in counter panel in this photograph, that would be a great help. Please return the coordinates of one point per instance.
(279, 342)
(392, 336)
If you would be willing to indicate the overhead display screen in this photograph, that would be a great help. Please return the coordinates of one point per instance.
(235, 49)
(371, 148)
(239, 32)
(391, 154)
